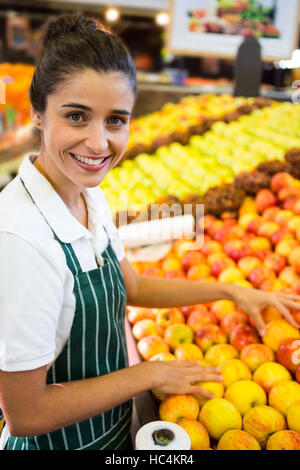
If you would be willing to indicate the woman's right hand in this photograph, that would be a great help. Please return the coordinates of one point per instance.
(179, 377)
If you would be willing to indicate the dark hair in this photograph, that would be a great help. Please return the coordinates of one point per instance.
(72, 43)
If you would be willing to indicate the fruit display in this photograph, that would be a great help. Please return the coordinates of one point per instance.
(257, 405)
(16, 109)
(194, 173)
(192, 115)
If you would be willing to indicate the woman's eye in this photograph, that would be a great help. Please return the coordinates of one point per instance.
(75, 117)
(117, 121)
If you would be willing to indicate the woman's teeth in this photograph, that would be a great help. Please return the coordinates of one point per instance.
(88, 161)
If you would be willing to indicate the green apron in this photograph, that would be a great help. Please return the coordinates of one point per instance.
(96, 346)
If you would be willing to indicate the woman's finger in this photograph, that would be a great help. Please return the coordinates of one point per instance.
(291, 303)
(259, 322)
(286, 313)
(200, 391)
(210, 378)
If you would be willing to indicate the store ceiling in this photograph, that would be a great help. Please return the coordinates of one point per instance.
(130, 7)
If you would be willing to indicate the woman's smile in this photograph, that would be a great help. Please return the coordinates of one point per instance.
(90, 163)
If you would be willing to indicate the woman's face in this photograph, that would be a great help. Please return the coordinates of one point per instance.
(85, 126)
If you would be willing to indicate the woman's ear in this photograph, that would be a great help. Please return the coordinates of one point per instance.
(36, 118)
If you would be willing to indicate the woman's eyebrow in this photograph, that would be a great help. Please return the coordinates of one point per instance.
(76, 105)
(87, 108)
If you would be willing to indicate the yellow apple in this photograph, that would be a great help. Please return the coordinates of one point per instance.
(253, 355)
(145, 327)
(188, 352)
(215, 388)
(234, 370)
(218, 415)
(174, 407)
(262, 421)
(245, 394)
(222, 307)
(163, 356)
(269, 374)
(236, 439)
(151, 345)
(283, 395)
(178, 334)
(293, 417)
(284, 440)
(197, 432)
(220, 353)
(277, 331)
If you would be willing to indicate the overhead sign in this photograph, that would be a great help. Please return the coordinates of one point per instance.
(216, 28)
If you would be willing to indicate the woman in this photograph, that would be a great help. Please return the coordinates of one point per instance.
(64, 379)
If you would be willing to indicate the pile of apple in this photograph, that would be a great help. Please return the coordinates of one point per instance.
(257, 406)
(208, 160)
(176, 122)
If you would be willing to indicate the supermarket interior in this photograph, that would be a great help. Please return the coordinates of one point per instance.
(206, 192)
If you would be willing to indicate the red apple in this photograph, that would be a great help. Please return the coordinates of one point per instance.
(187, 309)
(263, 254)
(283, 216)
(134, 314)
(260, 274)
(283, 233)
(207, 221)
(247, 263)
(209, 335)
(219, 265)
(213, 226)
(289, 203)
(288, 354)
(254, 224)
(151, 345)
(228, 322)
(287, 193)
(281, 180)
(270, 213)
(267, 229)
(243, 334)
(175, 274)
(169, 316)
(211, 246)
(275, 262)
(289, 275)
(236, 249)
(200, 317)
(152, 271)
(190, 258)
(264, 199)
(198, 271)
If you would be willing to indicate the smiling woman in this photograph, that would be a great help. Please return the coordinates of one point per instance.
(64, 278)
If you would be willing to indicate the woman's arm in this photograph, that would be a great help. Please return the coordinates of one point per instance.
(155, 292)
(31, 407)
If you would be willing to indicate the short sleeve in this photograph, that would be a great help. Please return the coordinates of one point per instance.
(31, 299)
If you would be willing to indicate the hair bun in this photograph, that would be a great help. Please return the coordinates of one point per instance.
(65, 24)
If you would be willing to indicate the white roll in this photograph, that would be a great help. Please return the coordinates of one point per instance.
(144, 439)
(157, 231)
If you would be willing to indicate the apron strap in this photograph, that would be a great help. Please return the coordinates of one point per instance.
(71, 257)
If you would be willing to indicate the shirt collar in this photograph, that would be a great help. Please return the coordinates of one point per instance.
(63, 223)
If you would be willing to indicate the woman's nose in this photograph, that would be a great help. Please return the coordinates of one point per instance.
(96, 141)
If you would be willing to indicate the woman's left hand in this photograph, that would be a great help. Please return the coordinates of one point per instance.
(252, 301)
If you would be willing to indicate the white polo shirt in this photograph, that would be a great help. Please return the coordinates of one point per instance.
(37, 303)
